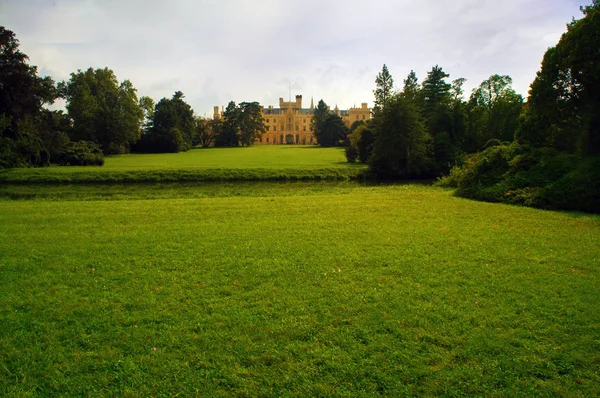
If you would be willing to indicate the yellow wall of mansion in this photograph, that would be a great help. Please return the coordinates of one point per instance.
(290, 123)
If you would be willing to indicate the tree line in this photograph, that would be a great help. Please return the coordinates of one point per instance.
(422, 130)
(103, 117)
(494, 146)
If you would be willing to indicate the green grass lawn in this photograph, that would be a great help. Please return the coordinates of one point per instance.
(258, 156)
(266, 162)
(365, 291)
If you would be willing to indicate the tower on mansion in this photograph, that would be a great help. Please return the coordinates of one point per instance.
(290, 123)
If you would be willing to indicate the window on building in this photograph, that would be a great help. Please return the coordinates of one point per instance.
(356, 117)
(363, 117)
(267, 120)
(274, 128)
(267, 140)
(303, 120)
(268, 128)
(304, 128)
(297, 128)
(289, 119)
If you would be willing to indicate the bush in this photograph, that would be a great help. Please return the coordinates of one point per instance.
(81, 153)
(351, 153)
(538, 177)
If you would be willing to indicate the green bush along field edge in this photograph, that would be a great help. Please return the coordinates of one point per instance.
(46, 176)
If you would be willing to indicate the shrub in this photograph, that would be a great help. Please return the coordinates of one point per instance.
(81, 153)
(351, 153)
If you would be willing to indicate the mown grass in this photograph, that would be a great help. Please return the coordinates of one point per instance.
(393, 290)
(258, 163)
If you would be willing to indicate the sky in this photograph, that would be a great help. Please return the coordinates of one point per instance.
(216, 51)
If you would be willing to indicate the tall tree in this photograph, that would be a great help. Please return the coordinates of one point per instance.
(229, 132)
(318, 119)
(172, 127)
(411, 87)
(563, 109)
(402, 144)
(207, 131)
(493, 112)
(251, 122)
(436, 92)
(332, 131)
(22, 95)
(437, 112)
(186, 122)
(147, 106)
(103, 110)
(385, 87)
(457, 88)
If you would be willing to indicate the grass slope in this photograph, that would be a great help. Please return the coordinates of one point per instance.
(375, 291)
(267, 162)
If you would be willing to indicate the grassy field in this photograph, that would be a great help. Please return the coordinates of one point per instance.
(332, 291)
(266, 162)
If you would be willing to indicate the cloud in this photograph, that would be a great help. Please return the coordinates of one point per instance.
(221, 50)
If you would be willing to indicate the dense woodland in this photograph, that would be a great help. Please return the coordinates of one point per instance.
(491, 145)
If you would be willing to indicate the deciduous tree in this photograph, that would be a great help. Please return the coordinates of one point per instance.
(103, 110)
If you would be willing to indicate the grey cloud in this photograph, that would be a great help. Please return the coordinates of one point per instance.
(216, 51)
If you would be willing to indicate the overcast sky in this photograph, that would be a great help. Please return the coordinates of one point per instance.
(215, 51)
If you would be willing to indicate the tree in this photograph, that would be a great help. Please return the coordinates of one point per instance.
(185, 122)
(457, 88)
(22, 95)
(207, 130)
(362, 139)
(146, 104)
(251, 123)
(229, 131)
(402, 144)
(563, 108)
(172, 128)
(332, 131)
(436, 92)
(437, 113)
(411, 87)
(321, 112)
(385, 87)
(103, 110)
(493, 112)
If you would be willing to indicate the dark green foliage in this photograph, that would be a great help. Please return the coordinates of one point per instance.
(228, 133)
(240, 125)
(411, 90)
(81, 153)
(329, 128)
(318, 119)
(356, 125)
(538, 177)
(351, 153)
(402, 146)
(22, 118)
(172, 128)
(438, 117)
(332, 131)
(563, 109)
(493, 112)
(364, 142)
(207, 130)
(103, 110)
(555, 162)
(384, 90)
(251, 123)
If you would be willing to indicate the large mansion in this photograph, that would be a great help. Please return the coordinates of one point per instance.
(290, 123)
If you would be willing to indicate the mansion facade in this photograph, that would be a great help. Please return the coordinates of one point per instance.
(290, 123)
